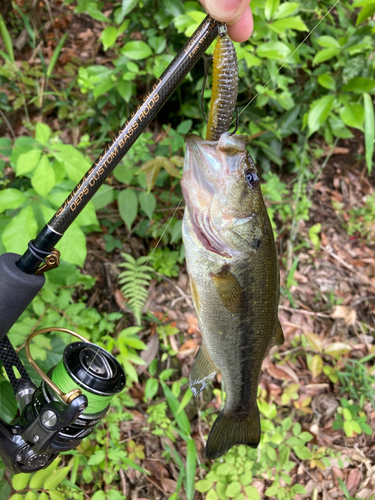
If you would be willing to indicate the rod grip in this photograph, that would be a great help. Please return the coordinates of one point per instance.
(17, 290)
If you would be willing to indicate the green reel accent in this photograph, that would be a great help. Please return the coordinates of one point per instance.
(63, 380)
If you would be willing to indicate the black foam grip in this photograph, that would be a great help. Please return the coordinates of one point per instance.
(17, 290)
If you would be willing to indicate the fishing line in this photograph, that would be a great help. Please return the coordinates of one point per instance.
(178, 206)
(291, 55)
(97, 402)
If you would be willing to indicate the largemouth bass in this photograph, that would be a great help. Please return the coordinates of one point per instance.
(234, 277)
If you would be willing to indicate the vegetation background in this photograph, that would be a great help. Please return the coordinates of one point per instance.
(70, 74)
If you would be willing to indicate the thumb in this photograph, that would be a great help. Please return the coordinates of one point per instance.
(228, 11)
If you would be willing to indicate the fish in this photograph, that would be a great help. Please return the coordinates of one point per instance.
(234, 279)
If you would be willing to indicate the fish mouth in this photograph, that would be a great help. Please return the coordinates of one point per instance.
(199, 191)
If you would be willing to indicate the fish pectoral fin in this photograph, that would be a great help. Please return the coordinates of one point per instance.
(229, 290)
(227, 431)
(279, 337)
(202, 371)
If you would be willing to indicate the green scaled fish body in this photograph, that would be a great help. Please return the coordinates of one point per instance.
(232, 265)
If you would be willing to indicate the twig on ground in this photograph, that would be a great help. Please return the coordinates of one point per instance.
(180, 291)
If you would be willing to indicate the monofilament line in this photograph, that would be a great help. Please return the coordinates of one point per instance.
(291, 55)
(248, 104)
(146, 263)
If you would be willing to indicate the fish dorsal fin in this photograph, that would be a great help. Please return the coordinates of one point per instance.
(279, 337)
(229, 290)
(202, 371)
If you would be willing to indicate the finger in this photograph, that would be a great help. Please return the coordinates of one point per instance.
(242, 29)
(226, 11)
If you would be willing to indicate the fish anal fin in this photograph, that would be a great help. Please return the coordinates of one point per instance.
(202, 371)
(228, 431)
(279, 337)
(229, 290)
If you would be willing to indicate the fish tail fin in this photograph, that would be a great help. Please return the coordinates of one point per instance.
(228, 431)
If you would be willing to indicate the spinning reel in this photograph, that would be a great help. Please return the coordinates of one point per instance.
(65, 408)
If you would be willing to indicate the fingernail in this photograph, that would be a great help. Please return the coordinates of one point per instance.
(220, 9)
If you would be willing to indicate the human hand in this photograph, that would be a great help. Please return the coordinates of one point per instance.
(236, 13)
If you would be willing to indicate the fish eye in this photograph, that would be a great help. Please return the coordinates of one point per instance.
(252, 178)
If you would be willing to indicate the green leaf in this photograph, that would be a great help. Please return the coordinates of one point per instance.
(286, 9)
(73, 245)
(126, 7)
(97, 457)
(360, 85)
(17, 496)
(319, 112)
(55, 495)
(327, 81)
(55, 55)
(191, 465)
(26, 162)
(151, 388)
(103, 197)
(37, 480)
(128, 206)
(108, 36)
(148, 203)
(19, 481)
(273, 50)
(348, 428)
(75, 164)
(55, 479)
(185, 400)
(42, 133)
(270, 8)
(134, 342)
(294, 23)
(11, 198)
(43, 179)
(328, 41)
(30, 495)
(272, 490)
(21, 229)
(7, 39)
(211, 495)
(174, 7)
(352, 114)
(233, 489)
(125, 89)
(5, 146)
(252, 493)
(136, 50)
(325, 55)
(337, 349)
(369, 130)
(181, 418)
(165, 374)
(224, 469)
(366, 12)
(302, 452)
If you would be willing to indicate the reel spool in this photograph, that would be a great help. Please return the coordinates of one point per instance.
(71, 400)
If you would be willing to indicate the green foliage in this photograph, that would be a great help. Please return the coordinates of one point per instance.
(232, 477)
(351, 418)
(47, 170)
(165, 261)
(133, 282)
(357, 381)
(46, 482)
(160, 424)
(361, 220)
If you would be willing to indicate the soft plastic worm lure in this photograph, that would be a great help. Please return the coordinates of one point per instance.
(224, 86)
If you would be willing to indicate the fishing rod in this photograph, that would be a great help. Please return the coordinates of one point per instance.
(75, 395)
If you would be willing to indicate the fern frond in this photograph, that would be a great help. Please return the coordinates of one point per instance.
(134, 281)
